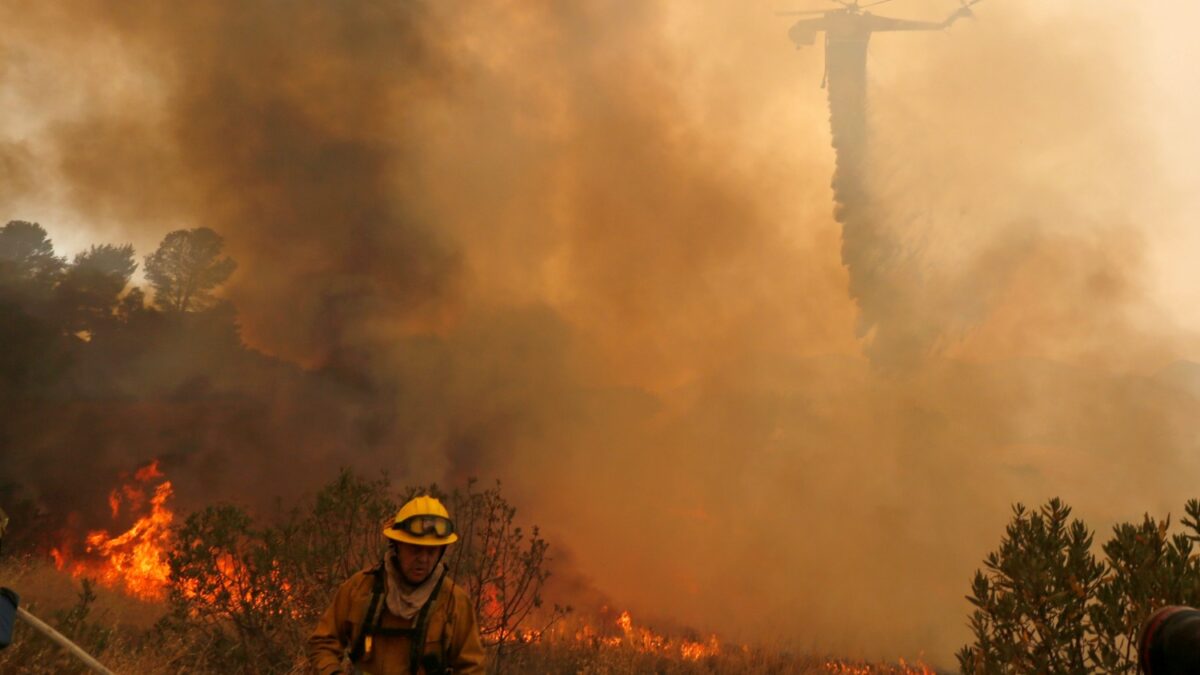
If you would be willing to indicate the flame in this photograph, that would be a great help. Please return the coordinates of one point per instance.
(622, 632)
(234, 587)
(491, 607)
(645, 640)
(136, 559)
(694, 651)
(148, 472)
(625, 622)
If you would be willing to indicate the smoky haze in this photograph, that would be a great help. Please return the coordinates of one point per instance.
(589, 248)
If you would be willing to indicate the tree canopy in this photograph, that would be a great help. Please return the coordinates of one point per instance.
(80, 325)
(91, 288)
(186, 268)
(27, 255)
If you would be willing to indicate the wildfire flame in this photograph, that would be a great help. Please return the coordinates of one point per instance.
(629, 635)
(136, 559)
(645, 640)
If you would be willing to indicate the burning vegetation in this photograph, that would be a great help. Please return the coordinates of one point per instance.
(227, 585)
(136, 559)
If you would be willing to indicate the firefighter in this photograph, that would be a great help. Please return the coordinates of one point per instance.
(380, 613)
(8, 598)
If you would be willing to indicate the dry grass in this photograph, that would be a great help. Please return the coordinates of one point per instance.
(607, 660)
(108, 624)
(41, 585)
(576, 658)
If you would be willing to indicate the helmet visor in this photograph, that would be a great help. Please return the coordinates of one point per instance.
(425, 526)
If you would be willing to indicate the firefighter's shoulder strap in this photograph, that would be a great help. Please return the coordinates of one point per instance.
(364, 627)
(370, 623)
(416, 650)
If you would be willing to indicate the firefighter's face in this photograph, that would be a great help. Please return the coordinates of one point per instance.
(417, 562)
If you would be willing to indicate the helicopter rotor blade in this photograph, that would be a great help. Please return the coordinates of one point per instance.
(878, 2)
(802, 12)
(848, 4)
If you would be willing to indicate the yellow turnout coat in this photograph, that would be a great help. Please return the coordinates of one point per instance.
(451, 634)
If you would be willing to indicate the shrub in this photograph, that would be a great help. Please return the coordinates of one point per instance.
(230, 603)
(1045, 604)
(1146, 570)
(1031, 604)
(502, 568)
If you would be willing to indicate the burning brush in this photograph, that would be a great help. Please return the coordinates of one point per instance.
(136, 559)
(10, 611)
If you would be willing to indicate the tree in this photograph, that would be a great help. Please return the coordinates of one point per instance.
(32, 354)
(27, 255)
(91, 288)
(185, 269)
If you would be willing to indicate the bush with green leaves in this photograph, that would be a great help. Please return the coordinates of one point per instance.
(1147, 568)
(1046, 604)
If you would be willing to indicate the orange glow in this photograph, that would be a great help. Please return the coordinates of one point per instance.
(148, 472)
(694, 651)
(491, 607)
(625, 621)
(236, 583)
(136, 559)
(114, 503)
(644, 640)
(862, 668)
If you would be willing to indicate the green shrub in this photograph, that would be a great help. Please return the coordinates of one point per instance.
(1146, 570)
(1045, 604)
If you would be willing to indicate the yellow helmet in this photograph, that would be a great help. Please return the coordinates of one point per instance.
(423, 521)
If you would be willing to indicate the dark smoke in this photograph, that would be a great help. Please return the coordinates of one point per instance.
(291, 124)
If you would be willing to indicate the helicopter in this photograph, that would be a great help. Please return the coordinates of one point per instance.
(850, 22)
(856, 7)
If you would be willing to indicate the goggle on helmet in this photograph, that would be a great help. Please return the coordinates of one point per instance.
(423, 521)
